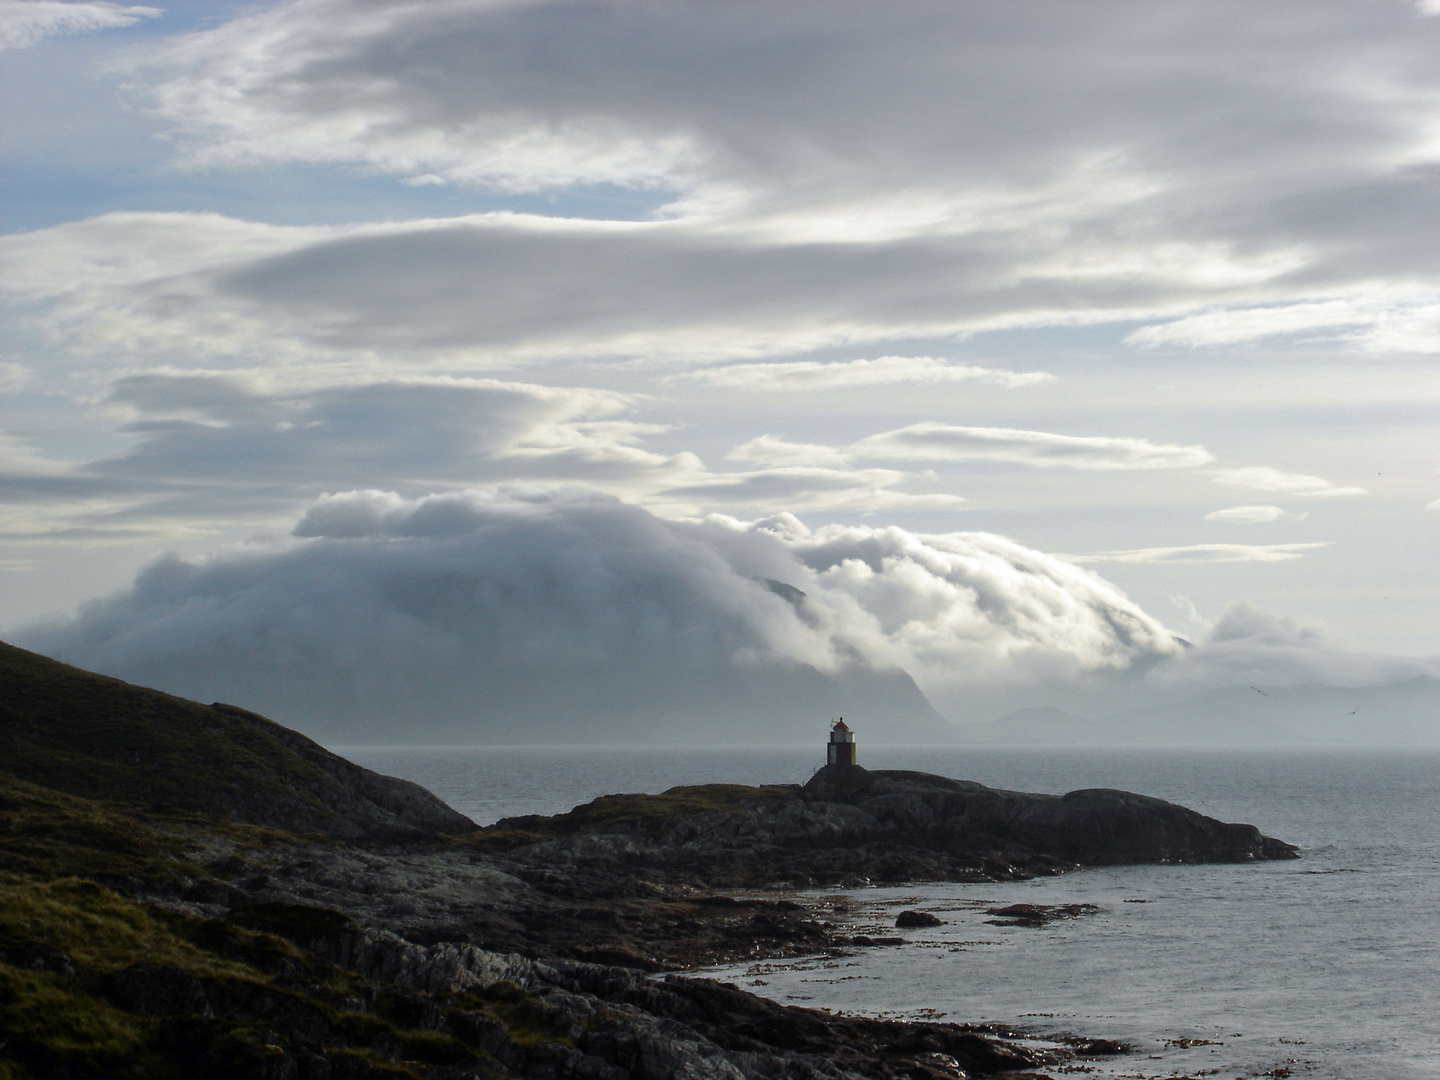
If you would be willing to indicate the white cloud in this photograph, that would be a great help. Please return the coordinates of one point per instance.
(1249, 515)
(808, 487)
(14, 376)
(24, 23)
(1380, 319)
(200, 290)
(774, 450)
(210, 449)
(804, 197)
(947, 442)
(1248, 646)
(531, 611)
(1234, 325)
(1300, 485)
(1203, 553)
(800, 376)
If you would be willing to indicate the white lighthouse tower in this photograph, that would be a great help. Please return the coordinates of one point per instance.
(841, 748)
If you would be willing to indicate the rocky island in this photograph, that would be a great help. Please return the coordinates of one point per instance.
(190, 888)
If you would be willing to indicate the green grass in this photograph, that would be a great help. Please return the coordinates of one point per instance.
(102, 738)
(50, 834)
(645, 815)
(62, 1024)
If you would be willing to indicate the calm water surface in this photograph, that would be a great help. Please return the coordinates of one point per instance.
(1327, 966)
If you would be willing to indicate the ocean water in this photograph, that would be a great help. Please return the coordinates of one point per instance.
(1327, 966)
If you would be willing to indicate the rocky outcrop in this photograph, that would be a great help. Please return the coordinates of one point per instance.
(850, 825)
(612, 1022)
(1093, 827)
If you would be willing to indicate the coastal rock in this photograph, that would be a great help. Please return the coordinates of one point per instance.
(850, 826)
(1036, 915)
(1093, 827)
(910, 920)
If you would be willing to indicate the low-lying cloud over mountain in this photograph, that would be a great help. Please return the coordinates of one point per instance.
(526, 614)
(532, 615)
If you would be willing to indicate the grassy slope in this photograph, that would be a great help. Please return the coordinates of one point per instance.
(76, 731)
(64, 1019)
(91, 735)
(68, 926)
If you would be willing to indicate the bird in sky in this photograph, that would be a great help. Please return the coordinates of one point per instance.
(1259, 691)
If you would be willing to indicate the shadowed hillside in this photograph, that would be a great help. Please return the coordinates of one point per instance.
(91, 735)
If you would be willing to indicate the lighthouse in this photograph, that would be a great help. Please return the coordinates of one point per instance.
(841, 748)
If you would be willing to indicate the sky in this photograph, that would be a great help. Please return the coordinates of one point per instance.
(415, 353)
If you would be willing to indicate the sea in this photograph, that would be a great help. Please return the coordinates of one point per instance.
(1325, 967)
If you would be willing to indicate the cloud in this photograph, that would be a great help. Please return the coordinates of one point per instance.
(801, 196)
(1232, 326)
(209, 449)
(947, 442)
(1299, 485)
(1203, 553)
(1379, 319)
(521, 612)
(773, 450)
(806, 487)
(1248, 646)
(188, 289)
(1249, 515)
(806, 375)
(24, 23)
(14, 376)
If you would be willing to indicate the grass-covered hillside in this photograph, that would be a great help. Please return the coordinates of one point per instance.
(94, 984)
(86, 734)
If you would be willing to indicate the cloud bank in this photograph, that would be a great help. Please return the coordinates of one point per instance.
(801, 188)
(1249, 646)
(24, 23)
(800, 376)
(517, 614)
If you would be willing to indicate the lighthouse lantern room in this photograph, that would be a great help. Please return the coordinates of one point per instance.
(841, 748)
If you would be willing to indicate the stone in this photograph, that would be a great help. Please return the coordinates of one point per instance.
(910, 920)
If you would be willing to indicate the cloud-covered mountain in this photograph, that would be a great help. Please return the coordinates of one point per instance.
(521, 614)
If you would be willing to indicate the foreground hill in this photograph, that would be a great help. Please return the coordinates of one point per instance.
(87, 734)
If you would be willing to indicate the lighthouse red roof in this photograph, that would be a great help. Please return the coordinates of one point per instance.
(840, 725)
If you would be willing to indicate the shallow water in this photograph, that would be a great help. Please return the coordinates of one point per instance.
(1328, 966)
